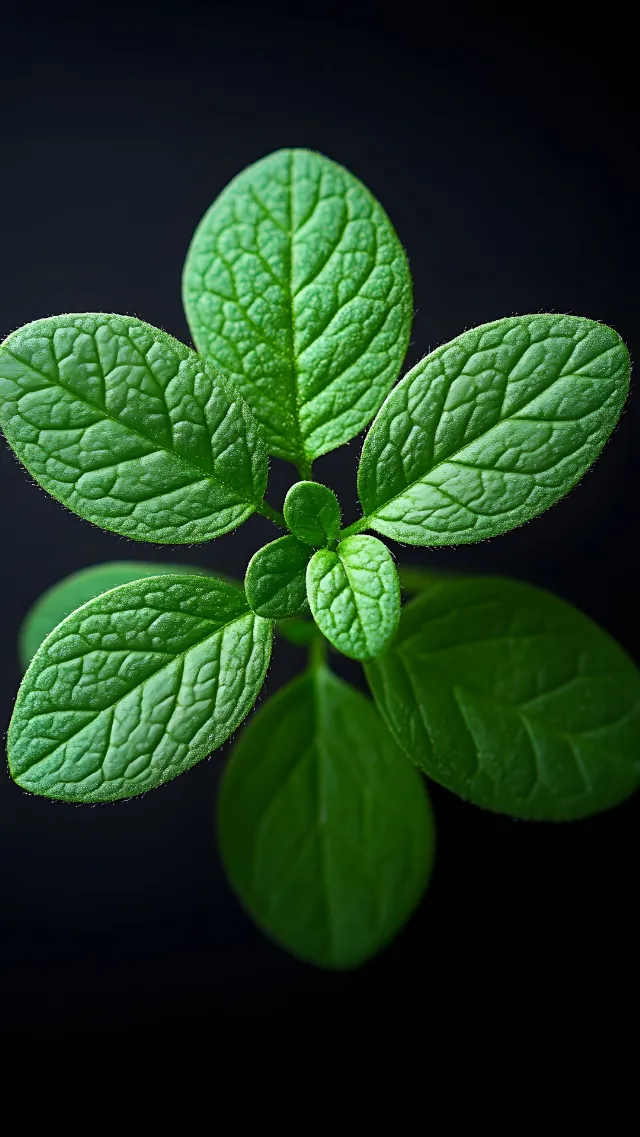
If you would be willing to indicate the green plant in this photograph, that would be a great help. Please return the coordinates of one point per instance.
(298, 294)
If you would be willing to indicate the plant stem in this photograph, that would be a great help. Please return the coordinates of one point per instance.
(351, 530)
(305, 470)
(318, 653)
(271, 514)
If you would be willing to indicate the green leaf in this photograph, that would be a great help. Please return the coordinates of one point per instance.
(298, 289)
(275, 583)
(325, 829)
(312, 512)
(354, 595)
(415, 578)
(513, 699)
(68, 594)
(129, 428)
(137, 686)
(298, 632)
(492, 429)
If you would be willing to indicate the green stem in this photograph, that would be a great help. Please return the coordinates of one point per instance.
(317, 653)
(271, 514)
(305, 470)
(351, 530)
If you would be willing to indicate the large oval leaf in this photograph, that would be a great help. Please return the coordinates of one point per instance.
(62, 598)
(513, 699)
(130, 428)
(325, 829)
(354, 595)
(137, 686)
(298, 289)
(492, 429)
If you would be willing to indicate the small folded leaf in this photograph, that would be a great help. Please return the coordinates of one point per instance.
(513, 699)
(275, 583)
(68, 594)
(312, 512)
(492, 429)
(354, 595)
(325, 828)
(129, 428)
(137, 686)
(297, 287)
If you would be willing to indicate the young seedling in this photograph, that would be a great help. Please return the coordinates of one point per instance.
(299, 298)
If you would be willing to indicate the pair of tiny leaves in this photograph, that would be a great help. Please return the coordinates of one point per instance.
(135, 432)
(353, 591)
(503, 693)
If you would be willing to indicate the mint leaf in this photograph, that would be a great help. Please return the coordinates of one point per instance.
(312, 512)
(354, 595)
(275, 583)
(135, 687)
(298, 289)
(129, 428)
(68, 594)
(492, 429)
(513, 699)
(325, 829)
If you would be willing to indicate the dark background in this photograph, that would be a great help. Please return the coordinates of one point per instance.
(505, 152)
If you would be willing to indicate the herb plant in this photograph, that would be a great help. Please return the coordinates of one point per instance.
(299, 298)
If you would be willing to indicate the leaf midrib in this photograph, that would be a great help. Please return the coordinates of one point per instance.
(203, 475)
(112, 706)
(453, 458)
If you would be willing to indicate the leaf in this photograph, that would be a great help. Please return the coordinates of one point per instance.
(492, 429)
(275, 583)
(129, 428)
(298, 289)
(298, 632)
(354, 595)
(312, 512)
(69, 593)
(137, 686)
(325, 829)
(415, 578)
(513, 699)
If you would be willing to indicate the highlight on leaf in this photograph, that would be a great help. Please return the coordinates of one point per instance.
(70, 593)
(297, 288)
(137, 686)
(354, 595)
(491, 429)
(129, 428)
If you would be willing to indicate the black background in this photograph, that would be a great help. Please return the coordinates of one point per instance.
(504, 151)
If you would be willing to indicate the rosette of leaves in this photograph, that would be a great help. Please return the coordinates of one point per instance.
(299, 298)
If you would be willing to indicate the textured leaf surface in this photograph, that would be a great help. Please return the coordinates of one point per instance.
(492, 429)
(298, 289)
(325, 829)
(135, 687)
(275, 583)
(129, 428)
(312, 512)
(60, 600)
(354, 595)
(513, 699)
